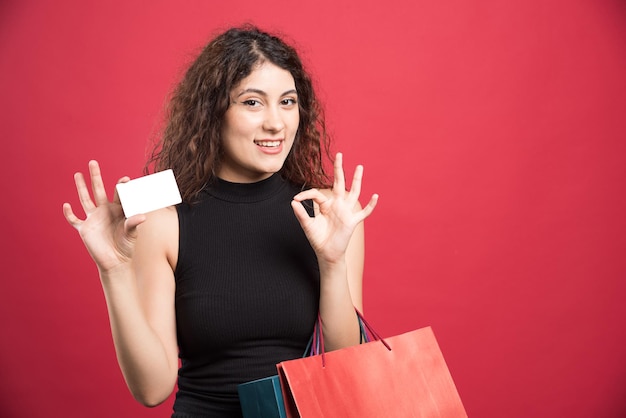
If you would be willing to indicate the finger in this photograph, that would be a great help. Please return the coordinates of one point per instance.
(301, 214)
(116, 197)
(97, 185)
(83, 193)
(311, 194)
(130, 225)
(339, 182)
(355, 187)
(369, 208)
(69, 215)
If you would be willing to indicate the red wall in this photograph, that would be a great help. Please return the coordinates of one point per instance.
(493, 131)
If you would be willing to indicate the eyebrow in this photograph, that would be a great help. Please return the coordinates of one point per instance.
(262, 93)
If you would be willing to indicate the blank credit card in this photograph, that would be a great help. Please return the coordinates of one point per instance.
(148, 193)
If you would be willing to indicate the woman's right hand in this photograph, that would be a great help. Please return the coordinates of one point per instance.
(108, 236)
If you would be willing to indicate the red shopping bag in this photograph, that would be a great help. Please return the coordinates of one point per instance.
(402, 376)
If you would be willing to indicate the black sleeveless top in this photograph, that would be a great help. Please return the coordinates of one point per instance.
(247, 292)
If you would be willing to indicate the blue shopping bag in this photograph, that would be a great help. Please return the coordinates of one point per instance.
(262, 398)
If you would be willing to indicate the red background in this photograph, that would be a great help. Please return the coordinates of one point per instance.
(493, 132)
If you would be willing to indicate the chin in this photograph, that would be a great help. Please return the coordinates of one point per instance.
(273, 168)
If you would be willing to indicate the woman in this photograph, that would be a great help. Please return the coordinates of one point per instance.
(232, 279)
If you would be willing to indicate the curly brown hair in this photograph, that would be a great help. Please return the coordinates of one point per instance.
(191, 144)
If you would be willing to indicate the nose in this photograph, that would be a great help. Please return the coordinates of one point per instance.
(273, 121)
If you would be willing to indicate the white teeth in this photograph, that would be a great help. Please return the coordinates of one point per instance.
(267, 143)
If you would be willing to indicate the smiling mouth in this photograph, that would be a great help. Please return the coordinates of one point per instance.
(268, 144)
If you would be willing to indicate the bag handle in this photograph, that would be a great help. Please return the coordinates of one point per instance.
(313, 346)
(316, 344)
(366, 326)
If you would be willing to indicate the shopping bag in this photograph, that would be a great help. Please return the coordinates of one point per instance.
(262, 398)
(402, 376)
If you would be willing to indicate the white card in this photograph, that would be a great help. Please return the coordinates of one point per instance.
(148, 193)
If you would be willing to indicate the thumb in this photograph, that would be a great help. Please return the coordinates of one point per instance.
(130, 224)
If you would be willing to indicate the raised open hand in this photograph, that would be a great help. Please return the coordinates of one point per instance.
(339, 213)
(108, 236)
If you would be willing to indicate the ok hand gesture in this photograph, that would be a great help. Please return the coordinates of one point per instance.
(339, 213)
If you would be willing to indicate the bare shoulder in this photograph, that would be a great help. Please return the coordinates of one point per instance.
(158, 235)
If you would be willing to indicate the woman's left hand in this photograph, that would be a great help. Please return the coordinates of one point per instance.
(338, 214)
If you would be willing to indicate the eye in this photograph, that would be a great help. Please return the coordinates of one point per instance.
(251, 103)
(289, 101)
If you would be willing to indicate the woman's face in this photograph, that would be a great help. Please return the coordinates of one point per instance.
(260, 125)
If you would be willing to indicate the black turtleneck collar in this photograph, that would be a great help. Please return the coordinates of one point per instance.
(245, 192)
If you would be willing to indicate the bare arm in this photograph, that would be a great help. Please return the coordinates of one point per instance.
(135, 259)
(141, 310)
(336, 234)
